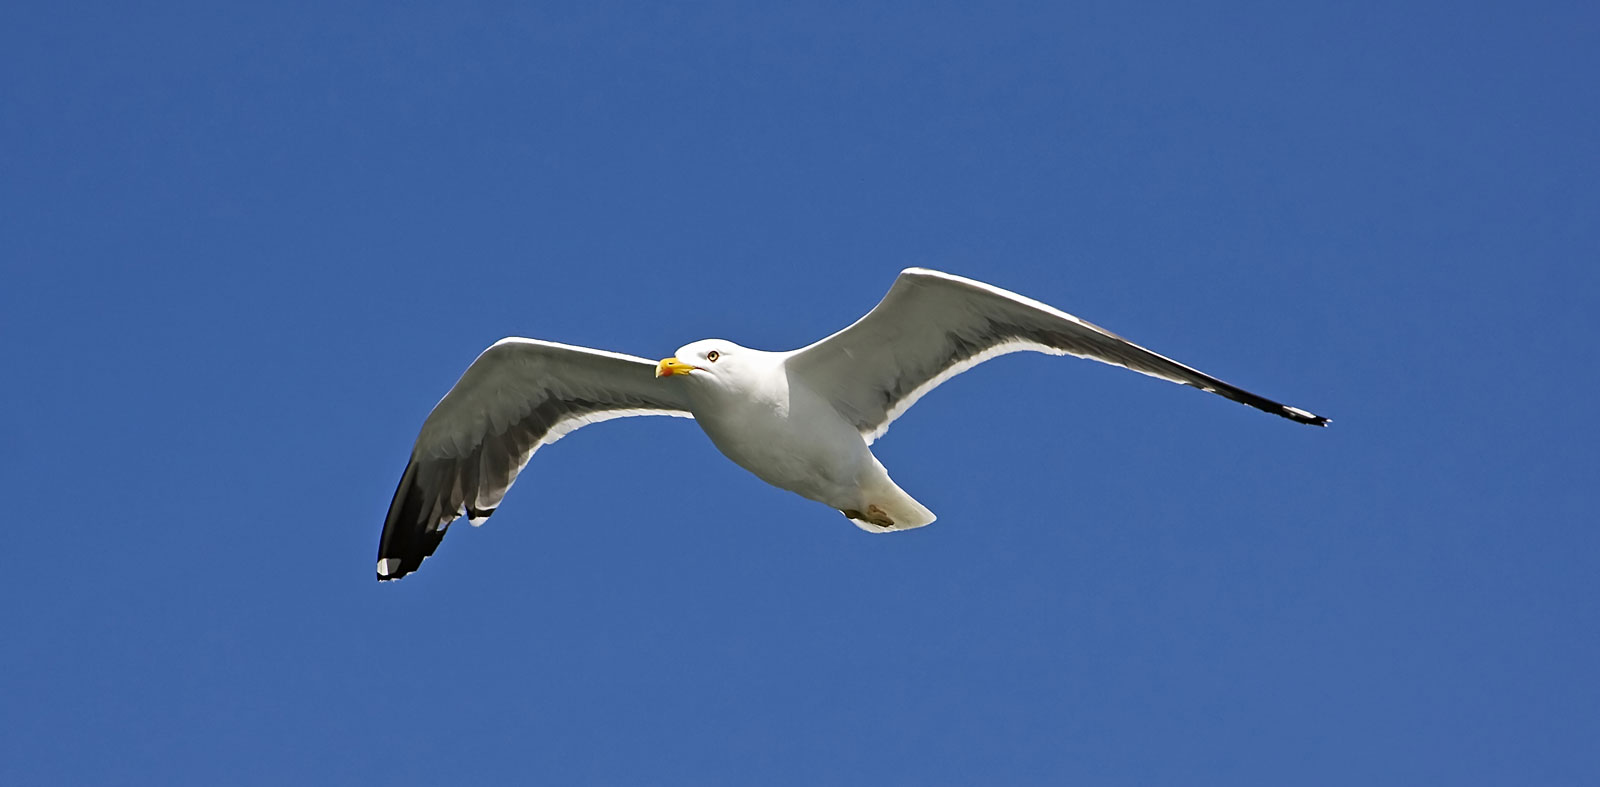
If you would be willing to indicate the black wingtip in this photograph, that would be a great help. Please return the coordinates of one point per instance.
(408, 538)
(1264, 404)
(1301, 416)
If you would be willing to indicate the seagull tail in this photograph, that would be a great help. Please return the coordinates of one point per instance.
(892, 504)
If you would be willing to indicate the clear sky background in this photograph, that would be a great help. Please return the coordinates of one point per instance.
(244, 250)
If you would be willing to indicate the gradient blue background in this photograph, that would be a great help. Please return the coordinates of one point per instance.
(245, 250)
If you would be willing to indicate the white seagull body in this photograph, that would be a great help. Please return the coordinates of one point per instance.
(802, 420)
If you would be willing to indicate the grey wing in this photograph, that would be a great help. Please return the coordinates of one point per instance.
(932, 326)
(518, 395)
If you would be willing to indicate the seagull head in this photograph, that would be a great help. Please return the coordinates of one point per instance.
(710, 356)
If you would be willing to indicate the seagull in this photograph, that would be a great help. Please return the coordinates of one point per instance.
(802, 420)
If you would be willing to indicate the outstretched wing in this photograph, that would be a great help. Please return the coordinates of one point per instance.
(933, 326)
(518, 395)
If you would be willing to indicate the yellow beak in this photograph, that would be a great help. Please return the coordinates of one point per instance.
(671, 366)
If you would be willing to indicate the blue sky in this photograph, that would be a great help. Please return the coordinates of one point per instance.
(245, 250)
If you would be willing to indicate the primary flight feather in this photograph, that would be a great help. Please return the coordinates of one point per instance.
(801, 420)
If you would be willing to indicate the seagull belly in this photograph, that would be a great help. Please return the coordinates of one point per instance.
(800, 444)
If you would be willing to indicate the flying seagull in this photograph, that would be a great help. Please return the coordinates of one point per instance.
(802, 420)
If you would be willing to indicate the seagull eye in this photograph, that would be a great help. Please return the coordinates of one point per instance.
(713, 356)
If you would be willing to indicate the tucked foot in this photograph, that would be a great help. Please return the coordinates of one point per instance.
(874, 516)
